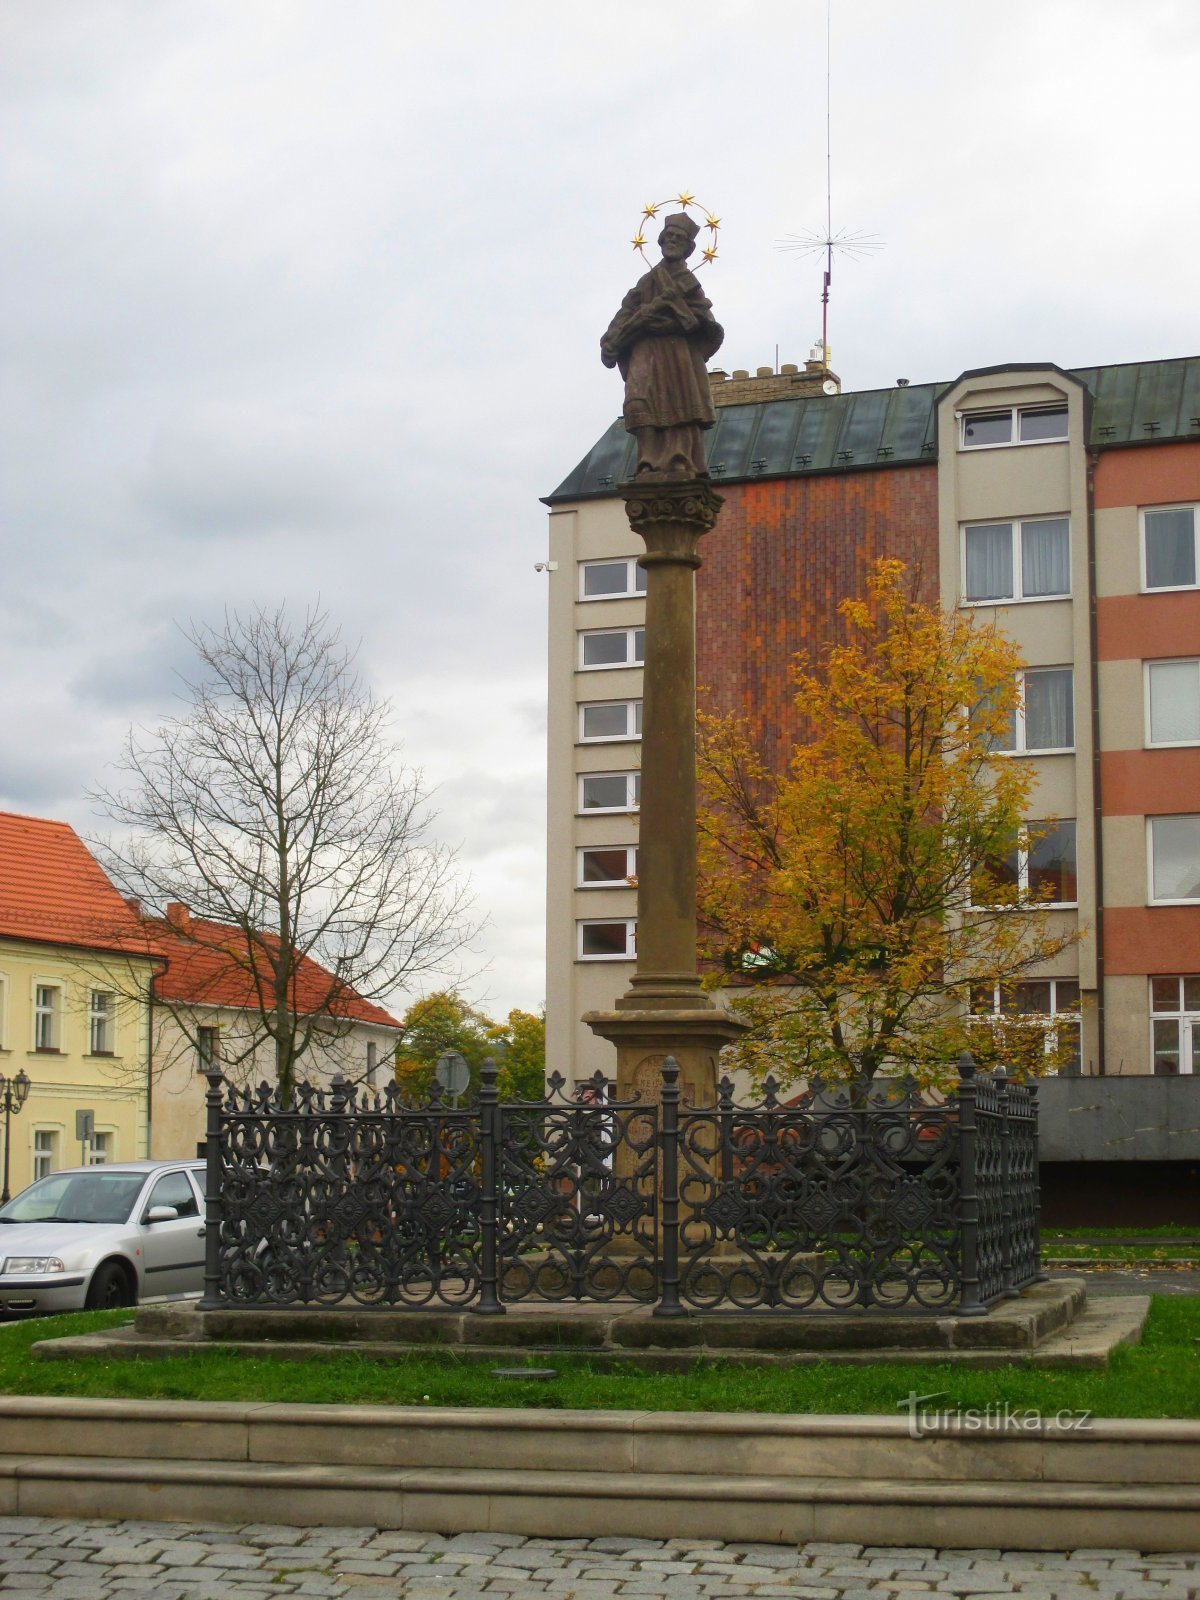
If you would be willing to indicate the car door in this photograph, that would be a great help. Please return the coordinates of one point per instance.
(172, 1251)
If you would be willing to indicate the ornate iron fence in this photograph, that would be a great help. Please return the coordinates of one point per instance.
(848, 1201)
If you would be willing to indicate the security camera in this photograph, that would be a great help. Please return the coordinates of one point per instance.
(545, 566)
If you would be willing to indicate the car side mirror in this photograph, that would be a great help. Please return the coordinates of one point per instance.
(161, 1214)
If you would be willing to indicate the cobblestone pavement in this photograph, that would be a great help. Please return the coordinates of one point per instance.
(182, 1561)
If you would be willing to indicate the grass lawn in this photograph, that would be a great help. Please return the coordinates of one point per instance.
(1159, 1378)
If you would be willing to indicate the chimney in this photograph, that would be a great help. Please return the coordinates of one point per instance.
(178, 914)
(741, 388)
(134, 904)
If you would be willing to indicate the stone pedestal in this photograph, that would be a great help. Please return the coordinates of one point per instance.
(665, 1011)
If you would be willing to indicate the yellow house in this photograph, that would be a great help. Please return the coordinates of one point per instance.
(75, 981)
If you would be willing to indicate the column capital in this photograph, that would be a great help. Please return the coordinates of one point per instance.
(657, 506)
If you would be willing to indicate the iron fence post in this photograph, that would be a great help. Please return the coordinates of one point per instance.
(969, 1303)
(1000, 1079)
(668, 1286)
(1039, 1276)
(211, 1299)
(489, 1200)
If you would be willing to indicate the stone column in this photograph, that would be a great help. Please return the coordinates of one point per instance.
(665, 1011)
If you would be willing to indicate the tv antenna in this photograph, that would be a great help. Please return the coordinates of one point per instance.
(846, 241)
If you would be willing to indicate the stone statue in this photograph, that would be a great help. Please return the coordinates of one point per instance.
(660, 340)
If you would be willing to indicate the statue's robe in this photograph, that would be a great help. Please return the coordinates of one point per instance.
(666, 381)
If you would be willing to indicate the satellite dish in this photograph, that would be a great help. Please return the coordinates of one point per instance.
(452, 1072)
(829, 386)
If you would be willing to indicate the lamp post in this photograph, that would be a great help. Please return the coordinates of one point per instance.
(14, 1092)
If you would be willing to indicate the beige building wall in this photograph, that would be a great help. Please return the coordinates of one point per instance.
(594, 531)
(1006, 483)
(180, 1085)
(69, 1077)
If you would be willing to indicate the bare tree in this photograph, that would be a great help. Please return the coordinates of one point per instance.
(275, 806)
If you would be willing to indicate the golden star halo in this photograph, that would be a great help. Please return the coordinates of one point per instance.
(687, 200)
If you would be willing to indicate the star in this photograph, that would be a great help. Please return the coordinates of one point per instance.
(713, 222)
(710, 254)
(650, 211)
(686, 198)
(638, 240)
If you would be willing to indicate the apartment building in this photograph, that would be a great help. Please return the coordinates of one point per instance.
(1058, 504)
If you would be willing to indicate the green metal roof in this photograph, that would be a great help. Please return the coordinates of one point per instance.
(1138, 403)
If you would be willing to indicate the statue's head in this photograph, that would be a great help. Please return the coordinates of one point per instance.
(678, 237)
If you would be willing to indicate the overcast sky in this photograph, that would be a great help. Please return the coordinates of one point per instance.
(302, 297)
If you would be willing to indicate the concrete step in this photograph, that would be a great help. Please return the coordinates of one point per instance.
(1039, 1514)
(728, 1445)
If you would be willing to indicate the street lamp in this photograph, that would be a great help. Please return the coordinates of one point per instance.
(14, 1092)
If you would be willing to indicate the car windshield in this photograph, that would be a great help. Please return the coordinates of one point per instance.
(99, 1196)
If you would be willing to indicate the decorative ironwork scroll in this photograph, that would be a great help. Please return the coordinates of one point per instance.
(578, 1188)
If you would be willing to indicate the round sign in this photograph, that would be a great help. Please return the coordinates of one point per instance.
(452, 1072)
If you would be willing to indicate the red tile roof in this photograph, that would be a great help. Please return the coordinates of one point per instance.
(54, 891)
(208, 963)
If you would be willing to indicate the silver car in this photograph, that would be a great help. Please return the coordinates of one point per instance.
(102, 1236)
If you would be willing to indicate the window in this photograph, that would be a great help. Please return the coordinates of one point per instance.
(372, 1062)
(1174, 859)
(3, 1011)
(1169, 547)
(1044, 719)
(100, 1023)
(1054, 1002)
(174, 1190)
(611, 647)
(45, 1152)
(610, 791)
(611, 580)
(1173, 702)
(601, 720)
(1040, 868)
(609, 868)
(1175, 1024)
(101, 1152)
(982, 430)
(46, 1008)
(608, 941)
(208, 1048)
(1016, 560)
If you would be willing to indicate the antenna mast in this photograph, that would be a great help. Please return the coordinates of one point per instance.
(810, 242)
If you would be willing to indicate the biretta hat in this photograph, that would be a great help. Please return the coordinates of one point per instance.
(680, 219)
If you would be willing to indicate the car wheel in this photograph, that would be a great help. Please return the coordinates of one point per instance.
(110, 1288)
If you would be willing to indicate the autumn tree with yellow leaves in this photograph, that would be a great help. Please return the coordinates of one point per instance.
(858, 898)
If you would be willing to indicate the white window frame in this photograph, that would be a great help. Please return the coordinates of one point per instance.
(632, 659)
(1170, 588)
(629, 592)
(1180, 1017)
(1150, 742)
(1015, 413)
(606, 883)
(1023, 871)
(205, 1062)
(53, 1156)
(106, 1017)
(95, 1159)
(632, 794)
(632, 722)
(54, 1012)
(1017, 524)
(1048, 1020)
(1020, 747)
(594, 922)
(1184, 816)
(372, 1062)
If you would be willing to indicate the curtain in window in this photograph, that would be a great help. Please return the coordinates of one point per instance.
(1170, 548)
(1174, 702)
(1045, 557)
(989, 573)
(1049, 714)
